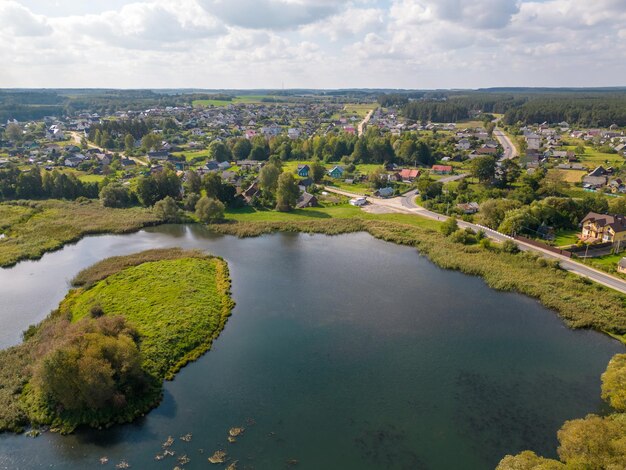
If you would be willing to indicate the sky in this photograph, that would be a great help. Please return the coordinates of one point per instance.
(214, 44)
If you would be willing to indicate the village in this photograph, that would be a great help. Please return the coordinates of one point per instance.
(440, 162)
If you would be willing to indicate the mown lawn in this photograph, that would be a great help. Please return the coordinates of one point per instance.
(566, 237)
(343, 211)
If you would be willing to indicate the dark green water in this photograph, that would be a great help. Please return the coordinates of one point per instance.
(347, 352)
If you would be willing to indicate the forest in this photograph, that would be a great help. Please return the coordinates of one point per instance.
(584, 108)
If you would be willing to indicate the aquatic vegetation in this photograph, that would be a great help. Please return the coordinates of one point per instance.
(218, 457)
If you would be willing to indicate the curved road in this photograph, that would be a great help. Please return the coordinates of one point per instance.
(406, 204)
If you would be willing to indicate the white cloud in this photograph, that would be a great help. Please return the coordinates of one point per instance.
(349, 23)
(313, 43)
(271, 14)
(19, 21)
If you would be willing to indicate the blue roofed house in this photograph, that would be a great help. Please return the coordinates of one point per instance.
(384, 192)
(303, 171)
(336, 172)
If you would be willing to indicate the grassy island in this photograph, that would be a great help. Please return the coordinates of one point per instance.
(101, 357)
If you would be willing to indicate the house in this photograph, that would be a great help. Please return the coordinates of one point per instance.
(159, 155)
(602, 228)
(464, 144)
(409, 175)
(303, 171)
(251, 193)
(442, 169)
(468, 208)
(223, 166)
(484, 150)
(213, 165)
(73, 162)
(306, 200)
(336, 172)
(621, 266)
(594, 182)
(127, 162)
(384, 192)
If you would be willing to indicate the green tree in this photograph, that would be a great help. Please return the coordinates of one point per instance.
(553, 184)
(150, 141)
(493, 211)
(483, 168)
(219, 151)
(129, 143)
(190, 201)
(287, 192)
(241, 149)
(193, 182)
(518, 221)
(268, 178)
(528, 460)
(14, 132)
(167, 210)
(115, 195)
(98, 368)
(318, 171)
(617, 205)
(614, 383)
(449, 226)
(209, 210)
(594, 442)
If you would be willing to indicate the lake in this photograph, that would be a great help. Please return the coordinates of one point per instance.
(342, 352)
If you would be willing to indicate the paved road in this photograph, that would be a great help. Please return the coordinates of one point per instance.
(406, 204)
(509, 149)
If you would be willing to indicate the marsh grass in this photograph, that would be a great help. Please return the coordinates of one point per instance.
(33, 228)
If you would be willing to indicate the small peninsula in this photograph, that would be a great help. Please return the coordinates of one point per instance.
(101, 357)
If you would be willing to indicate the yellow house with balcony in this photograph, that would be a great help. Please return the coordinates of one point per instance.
(603, 228)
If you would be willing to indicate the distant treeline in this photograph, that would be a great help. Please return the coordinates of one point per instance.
(581, 108)
(592, 111)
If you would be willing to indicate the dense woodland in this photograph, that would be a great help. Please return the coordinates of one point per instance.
(584, 108)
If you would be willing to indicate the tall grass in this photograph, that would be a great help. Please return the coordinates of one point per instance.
(33, 228)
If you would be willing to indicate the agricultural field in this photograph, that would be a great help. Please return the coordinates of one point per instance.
(246, 99)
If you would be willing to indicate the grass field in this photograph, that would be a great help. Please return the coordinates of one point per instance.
(360, 110)
(192, 154)
(91, 178)
(177, 306)
(592, 157)
(566, 237)
(248, 99)
(343, 211)
(571, 176)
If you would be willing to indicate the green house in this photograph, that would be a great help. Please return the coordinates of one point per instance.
(336, 172)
